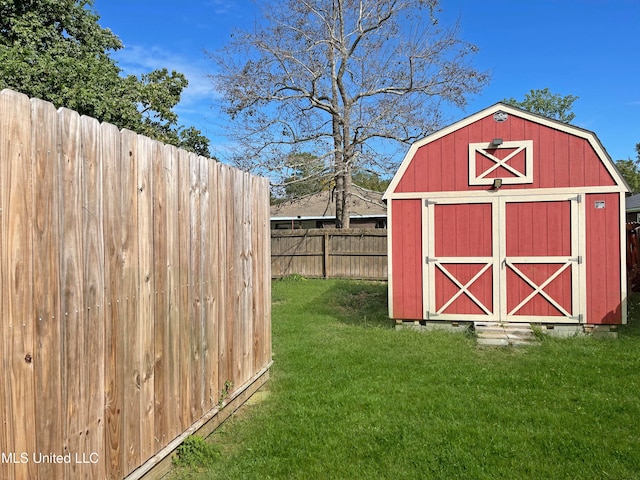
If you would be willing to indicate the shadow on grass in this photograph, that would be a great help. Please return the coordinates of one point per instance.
(359, 303)
(364, 303)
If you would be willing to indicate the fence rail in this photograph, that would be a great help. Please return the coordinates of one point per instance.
(134, 291)
(327, 253)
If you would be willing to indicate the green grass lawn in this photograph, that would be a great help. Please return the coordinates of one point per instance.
(351, 398)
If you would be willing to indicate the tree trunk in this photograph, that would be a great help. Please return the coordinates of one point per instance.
(346, 193)
(339, 198)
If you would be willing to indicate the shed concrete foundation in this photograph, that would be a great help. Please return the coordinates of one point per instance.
(553, 330)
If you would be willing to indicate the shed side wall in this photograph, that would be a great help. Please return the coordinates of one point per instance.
(603, 259)
(407, 259)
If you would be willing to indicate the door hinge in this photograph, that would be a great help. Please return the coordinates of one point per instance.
(428, 202)
(578, 199)
(577, 259)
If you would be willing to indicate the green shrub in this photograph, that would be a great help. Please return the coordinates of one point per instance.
(195, 451)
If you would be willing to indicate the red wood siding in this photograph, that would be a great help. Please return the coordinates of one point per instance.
(406, 231)
(559, 158)
(463, 230)
(537, 229)
(603, 260)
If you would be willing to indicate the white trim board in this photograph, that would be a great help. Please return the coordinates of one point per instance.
(486, 195)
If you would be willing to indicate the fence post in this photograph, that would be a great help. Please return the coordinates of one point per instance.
(326, 252)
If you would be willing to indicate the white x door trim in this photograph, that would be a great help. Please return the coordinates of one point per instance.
(464, 289)
(537, 289)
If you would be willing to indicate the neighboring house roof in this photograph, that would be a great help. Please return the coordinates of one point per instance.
(633, 203)
(363, 204)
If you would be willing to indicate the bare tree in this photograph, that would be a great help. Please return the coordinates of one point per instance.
(350, 80)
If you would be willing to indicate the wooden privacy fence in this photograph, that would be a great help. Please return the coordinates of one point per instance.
(326, 253)
(134, 293)
(633, 256)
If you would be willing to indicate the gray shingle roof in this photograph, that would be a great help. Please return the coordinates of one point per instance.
(363, 203)
(633, 203)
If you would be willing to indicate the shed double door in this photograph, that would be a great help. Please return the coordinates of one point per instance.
(513, 259)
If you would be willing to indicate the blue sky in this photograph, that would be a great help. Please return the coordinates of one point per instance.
(587, 48)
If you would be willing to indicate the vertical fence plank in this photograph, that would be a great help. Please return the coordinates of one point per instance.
(262, 246)
(94, 286)
(46, 265)
(195, 294)
(265, 270)
(224, 275)
(184, 229)
(128, 311)
(72, 282)
(145, 293)
(16, 284)
(239, 292)
(162, 363)
(235, 323)
(166, 272)
(256, 304)
(113, 456)
(174, 326)
(234, 212)
(247, 316)
(205, 269)
(209, 261)
(7, 469)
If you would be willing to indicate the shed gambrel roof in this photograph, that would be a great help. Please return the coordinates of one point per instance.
(573, 130)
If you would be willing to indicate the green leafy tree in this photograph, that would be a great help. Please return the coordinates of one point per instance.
(192, 139)
(630, 170)
(370, 181)
(546, 103)
(55, 50)
(348, 79)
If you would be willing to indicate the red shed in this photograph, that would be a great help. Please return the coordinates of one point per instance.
(511, 217)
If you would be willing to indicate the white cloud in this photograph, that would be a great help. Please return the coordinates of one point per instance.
(138, 59)
(222, 7)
